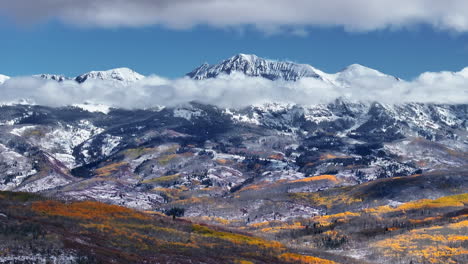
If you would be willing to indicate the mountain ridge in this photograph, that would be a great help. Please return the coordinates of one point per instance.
(248, 64)
(254, 66)
(122, 74)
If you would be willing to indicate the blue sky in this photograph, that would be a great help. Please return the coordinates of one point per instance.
(56, 45)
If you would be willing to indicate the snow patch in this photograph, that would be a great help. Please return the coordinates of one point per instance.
(21, 130)
(122, 75)
(110, 142)
(45, 183)
(187, 113)
(94, 108)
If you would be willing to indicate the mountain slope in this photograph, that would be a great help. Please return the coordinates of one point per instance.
(36, 230)
(164, 148)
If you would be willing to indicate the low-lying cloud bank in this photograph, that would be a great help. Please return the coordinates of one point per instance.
(238, 91)
(267, 15)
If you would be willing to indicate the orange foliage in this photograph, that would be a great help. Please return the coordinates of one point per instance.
(193, 200)
(331, 178)
(462, 224)
(326, 220)
(257, 186)
(424, 220)
(277, 156)
(86, 210)
(292, 257)
(116, 231)
(214, 220)
(221, 161)
(278, 228)
(243, 262)
(264, 224)
(447, 201)
(144, 233)
(460, 200)
(437, 244)
(328, 156)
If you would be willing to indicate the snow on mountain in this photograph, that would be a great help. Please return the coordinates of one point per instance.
(356, 72)
(53, 77)
(94, 108)
(3, 78)
(20, 101)
(15, 164)
(124, 75)
(254, 66)
(60, 140)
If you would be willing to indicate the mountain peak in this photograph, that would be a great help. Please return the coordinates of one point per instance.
(358, 69)
(254, 66)
(245, 57)
(53, 77)
(118, 74)
(3, 78)
(355, 72)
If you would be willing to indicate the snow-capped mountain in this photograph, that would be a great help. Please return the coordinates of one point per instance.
(53, 77)
(247, 64)
(3, 78)
(121, 75)
(254, 66)
(124, 75)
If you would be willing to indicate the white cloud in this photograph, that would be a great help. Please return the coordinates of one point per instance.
(238, 91)
(267, 15)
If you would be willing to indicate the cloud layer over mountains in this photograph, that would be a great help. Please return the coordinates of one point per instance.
(237, 90)
(267, 15)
